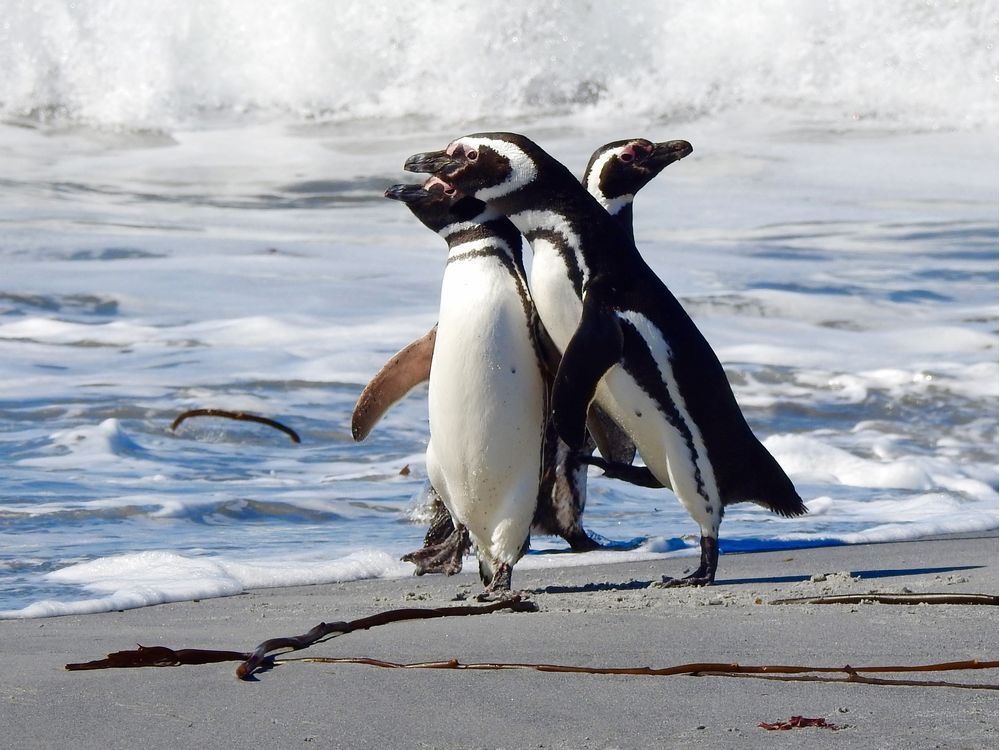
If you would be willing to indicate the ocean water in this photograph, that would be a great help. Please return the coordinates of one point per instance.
(191, 216)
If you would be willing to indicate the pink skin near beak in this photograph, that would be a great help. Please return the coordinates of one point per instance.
(433, 181)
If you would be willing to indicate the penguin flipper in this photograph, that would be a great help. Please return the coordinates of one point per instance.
(640, 476)
(594, 348)
(407, 368)
(612, 441)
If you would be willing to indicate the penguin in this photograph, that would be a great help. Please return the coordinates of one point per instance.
(487, 397)
(614, 174)
(626, 341)
(618, 170)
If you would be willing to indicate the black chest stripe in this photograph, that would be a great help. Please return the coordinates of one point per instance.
(517, 277)
(509, 265)
(643, 368)
(558, 240)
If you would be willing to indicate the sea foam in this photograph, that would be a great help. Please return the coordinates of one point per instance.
(159, 64)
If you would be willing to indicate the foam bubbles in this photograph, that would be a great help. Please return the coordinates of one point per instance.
(811, 459)
(156, 64)
(156, 577)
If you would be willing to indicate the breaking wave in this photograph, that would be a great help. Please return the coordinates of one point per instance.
(161, 65)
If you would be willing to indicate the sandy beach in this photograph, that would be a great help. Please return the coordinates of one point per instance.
(599, 616)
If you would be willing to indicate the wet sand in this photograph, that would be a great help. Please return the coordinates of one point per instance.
(600, 616)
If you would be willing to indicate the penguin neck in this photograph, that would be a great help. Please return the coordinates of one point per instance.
(623, 215)
(494, 236)
(486, 225)
(541, 204)
(554, 240)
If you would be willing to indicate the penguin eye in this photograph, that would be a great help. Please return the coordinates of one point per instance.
(626, 156)
(472, 154)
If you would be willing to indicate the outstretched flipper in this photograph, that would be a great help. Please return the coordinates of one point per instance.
(637, 475)
(407, 368)
(595, 347)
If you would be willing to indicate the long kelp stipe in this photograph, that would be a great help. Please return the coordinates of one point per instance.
(792, 673)
(264, 656)
(874, 598)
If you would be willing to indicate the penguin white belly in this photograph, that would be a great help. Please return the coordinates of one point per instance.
(486, 407)
(672, 456)
(556, 300)
(662, 447)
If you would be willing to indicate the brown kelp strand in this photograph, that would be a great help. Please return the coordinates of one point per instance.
(162, 656)
(699, 669)
(876, 598)
(238, 415)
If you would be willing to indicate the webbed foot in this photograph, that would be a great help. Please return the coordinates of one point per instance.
(441, 526)
(579, 540)
(443, 557)
(705, 573)
(497, 579)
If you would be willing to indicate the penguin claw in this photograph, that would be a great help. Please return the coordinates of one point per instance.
(704, 575)
(692, 580)
(496, 576)
(502, 596)
(582, 542)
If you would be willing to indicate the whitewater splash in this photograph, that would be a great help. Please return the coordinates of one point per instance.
(162, 64)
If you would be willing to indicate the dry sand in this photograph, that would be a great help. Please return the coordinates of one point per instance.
(606, 615)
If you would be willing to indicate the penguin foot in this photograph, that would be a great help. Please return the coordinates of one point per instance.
(498, 588)
(443, 557)
(579, 540)
(705, 574)
(695, 579)
(501, 596)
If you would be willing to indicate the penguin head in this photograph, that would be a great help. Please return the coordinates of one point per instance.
(436, 203)
(483, 165)
(622, 168)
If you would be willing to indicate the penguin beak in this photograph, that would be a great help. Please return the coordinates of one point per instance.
(431, 162)
(406, 193)
(668, 152)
